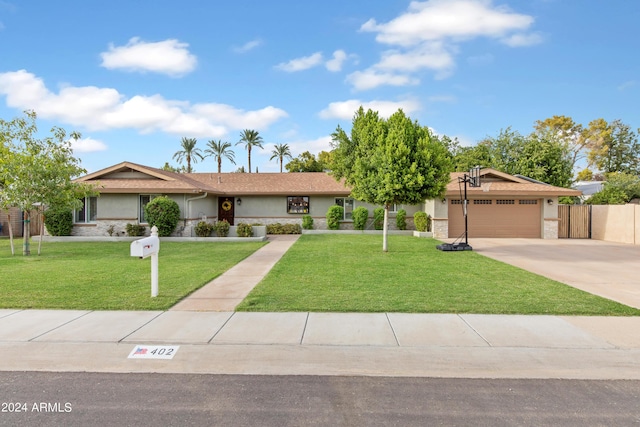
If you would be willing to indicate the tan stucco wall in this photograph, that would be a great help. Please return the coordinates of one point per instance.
(616, 223)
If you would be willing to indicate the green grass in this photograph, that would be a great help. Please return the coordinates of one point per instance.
(350, 273)
(102, 275)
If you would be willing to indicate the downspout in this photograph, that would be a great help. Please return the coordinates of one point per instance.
(189, 205)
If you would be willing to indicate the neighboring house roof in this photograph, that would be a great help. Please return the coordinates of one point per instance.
(496, 183)
(589, 188)
(128, 177)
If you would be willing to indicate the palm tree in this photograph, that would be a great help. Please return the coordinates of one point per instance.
(250, 138)
(280, 151)
(218, 150)
(188, 152)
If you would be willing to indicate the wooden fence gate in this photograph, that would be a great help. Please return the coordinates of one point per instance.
(575, 221)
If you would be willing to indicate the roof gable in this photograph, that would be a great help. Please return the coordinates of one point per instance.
(128, 170)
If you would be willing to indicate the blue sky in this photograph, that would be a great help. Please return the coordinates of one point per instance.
(134, 77)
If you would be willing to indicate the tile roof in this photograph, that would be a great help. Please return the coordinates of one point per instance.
(494, 183)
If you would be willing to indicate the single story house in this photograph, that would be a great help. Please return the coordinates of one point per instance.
(268, 198)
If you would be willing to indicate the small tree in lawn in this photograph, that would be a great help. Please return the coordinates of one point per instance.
(390, 161)
(38, 172)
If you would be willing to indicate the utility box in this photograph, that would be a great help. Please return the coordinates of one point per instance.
(146, 247)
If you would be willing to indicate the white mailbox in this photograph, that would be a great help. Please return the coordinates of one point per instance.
(146, 247)
(149, 247)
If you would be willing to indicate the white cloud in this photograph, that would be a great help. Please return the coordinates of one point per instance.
(446, 99)
(627, 85)
(428, 34)
(87, 145)
(431, 55)
(166, 57)
(105, 108)
(345, 110)
(453, 19)
(370, 78)
(335, 64)
(313, 146)
(300, 64)
(522, 39)
(250, 45)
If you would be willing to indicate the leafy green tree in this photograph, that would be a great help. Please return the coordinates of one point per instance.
(280, 152)
(568, 132)
(615, 147)
(305, 162)
(38, 172)
(467, 158)
(544, 158)
(325, 158)
(189, 152)
(170, 168)
(620, 188)
(390, 161)
(250, 138)
(218, 150)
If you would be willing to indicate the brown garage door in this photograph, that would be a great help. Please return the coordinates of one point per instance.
(497, 218)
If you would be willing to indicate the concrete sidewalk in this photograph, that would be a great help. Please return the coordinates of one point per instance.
(213, 339)
(375, 344)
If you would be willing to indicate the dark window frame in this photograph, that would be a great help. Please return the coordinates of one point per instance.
(298, 204)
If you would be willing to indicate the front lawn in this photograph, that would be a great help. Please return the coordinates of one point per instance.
(102, 275)
(350, 273)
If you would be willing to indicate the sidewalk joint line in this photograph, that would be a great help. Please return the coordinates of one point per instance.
(59, 326)
(140, 327)
(393, 331)
(474, 329)
(304, 329)
(233, 313)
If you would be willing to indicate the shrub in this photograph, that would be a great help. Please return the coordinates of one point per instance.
(420, 221)
(203, 229)
(401, 219)
(360, 216)
(244, 230)
(278, 228)
(59, 222)
(164, 213)
(307, 222)
(378, 218)
(135, 230)
(222, 228)
(334, 216)
(291, 229)
(275, 228)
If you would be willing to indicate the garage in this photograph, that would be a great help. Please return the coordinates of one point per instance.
(500, 217)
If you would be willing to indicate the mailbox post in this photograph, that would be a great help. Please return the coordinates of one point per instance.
(149, 247)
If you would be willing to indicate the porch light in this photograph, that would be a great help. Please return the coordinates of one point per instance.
(239, 201)
(549, 201)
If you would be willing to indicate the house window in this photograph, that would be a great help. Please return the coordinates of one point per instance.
(528, 202)
(505, 202)
(88, 212)
(298, 204)
(347, 204)
(144, 199)
(482, 202)
(394, 207)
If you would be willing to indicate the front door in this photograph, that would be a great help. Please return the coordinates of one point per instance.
(225, 209)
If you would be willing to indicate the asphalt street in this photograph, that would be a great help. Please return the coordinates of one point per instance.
(80, 399)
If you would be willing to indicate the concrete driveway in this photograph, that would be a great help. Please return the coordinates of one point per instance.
(610, 270)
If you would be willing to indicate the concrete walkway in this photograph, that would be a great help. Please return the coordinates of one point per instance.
(225, 292)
